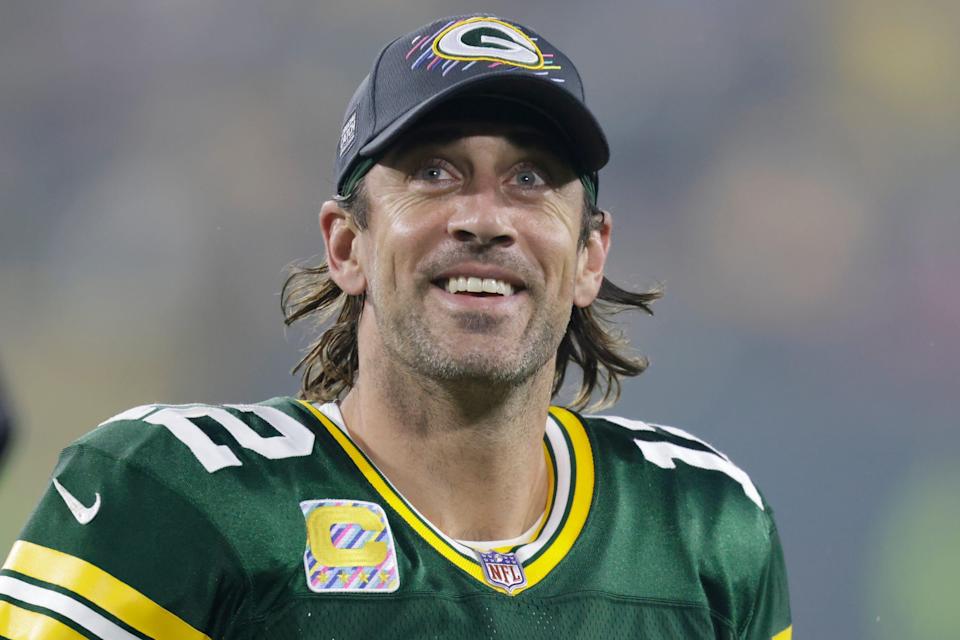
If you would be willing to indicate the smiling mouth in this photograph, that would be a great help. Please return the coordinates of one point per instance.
(474, 286)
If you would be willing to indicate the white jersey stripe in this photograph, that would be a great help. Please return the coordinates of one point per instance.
(663, 455)
(131, 414)
(561, 494)
(689, 436)
(65, 606)
(639, 425)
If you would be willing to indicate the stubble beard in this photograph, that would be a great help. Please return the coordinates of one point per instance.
(409, 338)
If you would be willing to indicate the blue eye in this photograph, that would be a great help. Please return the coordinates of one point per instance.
(528, 178)
(432, 173)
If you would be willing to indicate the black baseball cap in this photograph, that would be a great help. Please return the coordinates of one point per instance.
(461, 56)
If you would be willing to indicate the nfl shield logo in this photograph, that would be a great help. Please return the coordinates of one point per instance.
(503, 570)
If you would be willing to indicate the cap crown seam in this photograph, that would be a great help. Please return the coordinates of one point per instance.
(373, 93)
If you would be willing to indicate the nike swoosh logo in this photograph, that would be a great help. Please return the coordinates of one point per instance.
(81, 513)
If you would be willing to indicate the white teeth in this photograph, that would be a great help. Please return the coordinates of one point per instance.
(473, 284)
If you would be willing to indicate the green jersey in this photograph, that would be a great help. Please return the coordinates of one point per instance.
(267, 521)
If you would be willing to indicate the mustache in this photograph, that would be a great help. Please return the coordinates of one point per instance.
(452, 256)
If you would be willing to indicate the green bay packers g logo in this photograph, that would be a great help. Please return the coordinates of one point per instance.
(488, 39)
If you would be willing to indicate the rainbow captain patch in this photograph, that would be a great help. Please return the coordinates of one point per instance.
(349, 547)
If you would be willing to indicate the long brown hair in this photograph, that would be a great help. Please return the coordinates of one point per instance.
(592, 341)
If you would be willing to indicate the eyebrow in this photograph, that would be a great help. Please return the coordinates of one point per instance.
(440, 134)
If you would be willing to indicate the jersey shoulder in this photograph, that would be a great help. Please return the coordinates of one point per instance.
(168, 506)
(691, 494)
(688, 462)
(181, 441)
(212, 459)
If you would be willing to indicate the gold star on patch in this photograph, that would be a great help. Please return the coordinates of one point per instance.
(384, 576)
(343, 578)
(324, 576)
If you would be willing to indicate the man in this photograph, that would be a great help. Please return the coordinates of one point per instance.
(423, 487)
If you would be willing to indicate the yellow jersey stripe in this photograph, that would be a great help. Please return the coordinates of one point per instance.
(99, 587)
(22, 624)
(64, 605)
(582, 497)
(786, 634)
(393, 499)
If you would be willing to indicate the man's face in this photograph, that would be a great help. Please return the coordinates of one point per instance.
(489, 207)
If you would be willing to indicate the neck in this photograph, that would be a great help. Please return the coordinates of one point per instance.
(468, 455)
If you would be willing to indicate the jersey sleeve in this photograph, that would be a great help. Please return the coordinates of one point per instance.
(771, 612)
(111, 551)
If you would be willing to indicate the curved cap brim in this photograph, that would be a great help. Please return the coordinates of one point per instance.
(561, 111)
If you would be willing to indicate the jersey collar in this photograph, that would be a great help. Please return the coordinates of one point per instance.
(570, 494)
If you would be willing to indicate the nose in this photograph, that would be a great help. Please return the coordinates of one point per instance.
(483, 221)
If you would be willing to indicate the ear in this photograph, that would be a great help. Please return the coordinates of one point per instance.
(340, 238)
(590, 263)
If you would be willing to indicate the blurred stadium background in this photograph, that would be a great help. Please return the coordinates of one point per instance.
(789, 170)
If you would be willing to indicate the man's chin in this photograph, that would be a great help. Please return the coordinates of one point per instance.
(471, 348)
(488, 367)
(479, 322)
